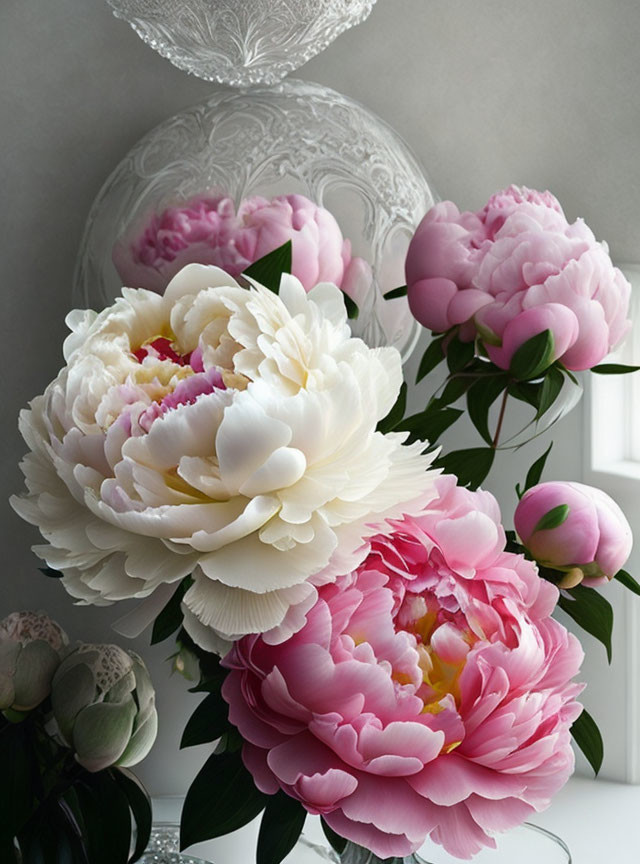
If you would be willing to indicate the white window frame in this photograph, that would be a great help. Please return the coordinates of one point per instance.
(608, 466)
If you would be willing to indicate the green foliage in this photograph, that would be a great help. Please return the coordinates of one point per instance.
(549, 390)
(614, 369)
(170, 619)
(221, 799)
(535, 472)
(106, 817)
(139, 805)
(533, 356)
(19, 770)
(59, 813)
(395, 415)
(280, 827)
(591, 611)
(208, 722)
(50, 573)
(454, 388)
(396, 292)
(470, 466)
(480, 397)
(432, 357)
(588, 738)
(52, 838)
(428, 425)
(552, 518)
(628, 581)
(459, 354)
(268, 270)
(526, 391)
(351, 307)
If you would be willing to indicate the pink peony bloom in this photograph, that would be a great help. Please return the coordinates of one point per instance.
(513, 270)
(595, 537)
(210, 231)
(428, 693)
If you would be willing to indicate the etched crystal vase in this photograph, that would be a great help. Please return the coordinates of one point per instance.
(528, 844)
(238, 42)
(296, 137)
(164, 847)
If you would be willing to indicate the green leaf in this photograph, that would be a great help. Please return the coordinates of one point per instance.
(221, 799)
(568, 373)
(396, 292)
(588, 738)
(552, 518)
(526, 392)
(591, 611)
(480, 397)
(459, 354)
(70, 813)
(268, 270)
(351, 306)
(140, 806)
(453, 390)
(170, 618)
(432, 357)
(104, 808)
(17, 787)
(337, 842)
(533, 356)
(51, 573)
(208, 722)
(628, 581)
(394, 417)
(429, 425)
(212, 674)
(614, 369)
(551, 389)
(281, 825)
(535, 472)
(470, 466)
(512, 544)
(50, 840)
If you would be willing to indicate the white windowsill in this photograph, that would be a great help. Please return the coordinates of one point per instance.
(598, 820)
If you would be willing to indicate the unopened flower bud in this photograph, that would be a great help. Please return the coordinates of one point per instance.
(104, 703)
(31, 648)
(590, 533)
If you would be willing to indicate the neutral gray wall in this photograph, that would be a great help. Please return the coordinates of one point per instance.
(487, 92)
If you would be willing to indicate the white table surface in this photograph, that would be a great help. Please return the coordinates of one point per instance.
(599, 821)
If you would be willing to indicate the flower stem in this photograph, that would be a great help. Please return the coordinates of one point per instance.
(503, 408)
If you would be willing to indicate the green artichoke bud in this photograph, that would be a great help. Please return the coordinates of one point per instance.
(104, 704)
(31, 648)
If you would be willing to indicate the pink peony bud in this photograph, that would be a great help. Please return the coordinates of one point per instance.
(593, 536)
(512, 270)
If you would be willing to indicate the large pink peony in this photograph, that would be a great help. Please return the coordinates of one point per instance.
(428, 694)
(513, 270)
(207, 230)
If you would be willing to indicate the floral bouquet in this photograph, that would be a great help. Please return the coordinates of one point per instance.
(72, 720)
(373, 646)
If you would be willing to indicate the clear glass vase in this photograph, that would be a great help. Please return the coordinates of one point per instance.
(238, 42)
(528, 844)
(296, 137)
(164, 847)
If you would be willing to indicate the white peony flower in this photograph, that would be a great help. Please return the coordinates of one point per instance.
(223, 432)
